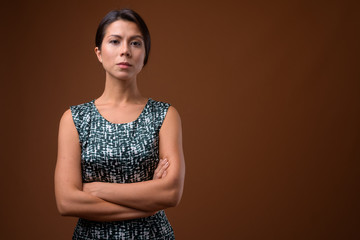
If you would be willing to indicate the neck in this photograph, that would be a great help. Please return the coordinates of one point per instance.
(120, 91)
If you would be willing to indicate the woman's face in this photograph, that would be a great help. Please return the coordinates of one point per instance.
(122, 51)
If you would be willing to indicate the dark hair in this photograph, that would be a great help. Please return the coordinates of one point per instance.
(127, 15)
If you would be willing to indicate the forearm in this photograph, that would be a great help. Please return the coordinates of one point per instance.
(84, 205)
(150, 195)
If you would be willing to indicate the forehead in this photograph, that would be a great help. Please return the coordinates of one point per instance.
(122, 28)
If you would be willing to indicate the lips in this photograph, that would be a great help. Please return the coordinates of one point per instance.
(124, 64)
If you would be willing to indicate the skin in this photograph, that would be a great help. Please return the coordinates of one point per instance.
(120, 102)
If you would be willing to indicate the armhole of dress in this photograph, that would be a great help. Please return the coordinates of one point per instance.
(163, 115)
(76, 121)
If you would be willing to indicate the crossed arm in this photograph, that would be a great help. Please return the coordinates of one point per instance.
(101, 201)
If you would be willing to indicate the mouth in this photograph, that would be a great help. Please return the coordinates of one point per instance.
(124, 64)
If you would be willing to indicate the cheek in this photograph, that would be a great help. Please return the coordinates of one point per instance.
(141, 58)
(107, 54)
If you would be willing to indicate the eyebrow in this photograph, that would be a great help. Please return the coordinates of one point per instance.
(132, 37)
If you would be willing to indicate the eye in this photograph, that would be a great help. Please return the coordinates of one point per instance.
(136, 43)
(114, 41)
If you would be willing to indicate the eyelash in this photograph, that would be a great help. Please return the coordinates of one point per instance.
(133, 43)
(114, 41)
(136, 43)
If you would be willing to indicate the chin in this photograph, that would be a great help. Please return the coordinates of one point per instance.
(123, 76)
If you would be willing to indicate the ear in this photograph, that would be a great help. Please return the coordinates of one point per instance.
(98, 54)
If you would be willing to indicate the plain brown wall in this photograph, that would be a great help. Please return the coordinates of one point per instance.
(268, 92)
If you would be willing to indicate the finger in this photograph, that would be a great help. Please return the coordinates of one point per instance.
(157, 175)
(160, 173)
(159, 166)
(164, 174)
(165, 165)
(162, 167)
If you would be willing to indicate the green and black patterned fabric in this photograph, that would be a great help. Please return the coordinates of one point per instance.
(120, 153)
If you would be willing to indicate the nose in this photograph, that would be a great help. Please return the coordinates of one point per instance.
(125, 50)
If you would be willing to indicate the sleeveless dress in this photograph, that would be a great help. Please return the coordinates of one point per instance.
(120, 153)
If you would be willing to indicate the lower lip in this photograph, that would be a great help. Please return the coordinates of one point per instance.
(124, 66)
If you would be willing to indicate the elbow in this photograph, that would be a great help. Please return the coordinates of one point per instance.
(175, 190)
(63, 208)
(173, 203)
(66, 203)
(174, 197)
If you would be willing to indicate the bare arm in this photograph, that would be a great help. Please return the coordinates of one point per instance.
(70, 198)
(158, 193)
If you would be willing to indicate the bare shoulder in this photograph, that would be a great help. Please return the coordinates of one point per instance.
(68, 137)
(66, 115)
(172, 122)
(67, 124)
(66, 118)
(172, 116)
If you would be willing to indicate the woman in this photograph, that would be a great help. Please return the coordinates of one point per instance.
(129, 165)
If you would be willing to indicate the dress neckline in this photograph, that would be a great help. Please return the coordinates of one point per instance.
(128, 123)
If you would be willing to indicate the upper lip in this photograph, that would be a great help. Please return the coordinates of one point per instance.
(124, 63)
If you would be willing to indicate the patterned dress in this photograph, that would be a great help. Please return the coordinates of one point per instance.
(120, 153)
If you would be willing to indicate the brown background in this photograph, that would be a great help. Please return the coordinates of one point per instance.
(268, 92)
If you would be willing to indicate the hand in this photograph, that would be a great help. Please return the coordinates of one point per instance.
(160, 171)
(92, 188)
